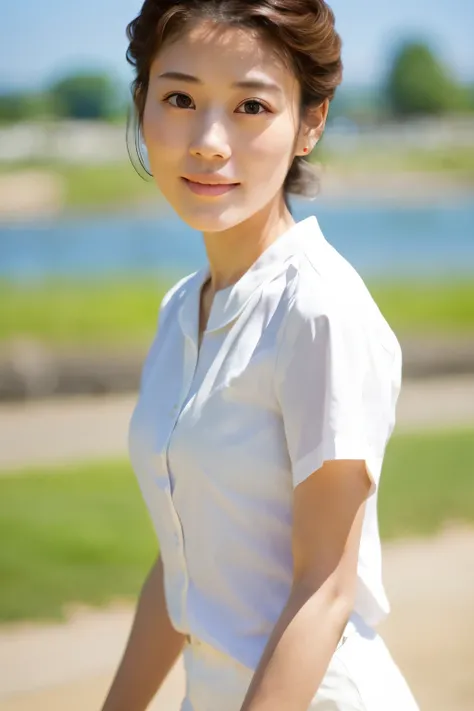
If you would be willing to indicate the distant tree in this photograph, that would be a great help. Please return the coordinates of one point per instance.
(11, 107)
(18, 106)
(86, 96)
(419, 84)
(466, 100)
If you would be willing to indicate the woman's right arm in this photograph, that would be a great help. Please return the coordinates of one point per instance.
(152, 649)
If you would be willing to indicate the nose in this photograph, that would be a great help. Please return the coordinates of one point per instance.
(211, 140)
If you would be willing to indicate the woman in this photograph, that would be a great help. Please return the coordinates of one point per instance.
(269, 393)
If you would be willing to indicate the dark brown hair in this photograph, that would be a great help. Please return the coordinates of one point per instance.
(302, 31)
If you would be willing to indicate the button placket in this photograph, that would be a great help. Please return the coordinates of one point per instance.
(190, 366)
(176, 410)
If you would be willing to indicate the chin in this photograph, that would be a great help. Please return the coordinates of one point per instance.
(212, 218)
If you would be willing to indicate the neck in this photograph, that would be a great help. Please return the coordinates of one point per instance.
(232, 252)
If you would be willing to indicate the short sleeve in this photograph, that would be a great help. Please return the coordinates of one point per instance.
(337, 386)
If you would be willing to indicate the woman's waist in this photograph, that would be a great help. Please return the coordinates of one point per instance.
(241, 654)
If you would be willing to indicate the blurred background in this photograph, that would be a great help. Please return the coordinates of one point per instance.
(87, 250)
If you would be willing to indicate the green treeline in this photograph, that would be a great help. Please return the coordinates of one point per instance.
(417, 83)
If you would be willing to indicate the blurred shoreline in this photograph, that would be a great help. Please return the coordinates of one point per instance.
(49, 168)
(36, 193)
(59, 170)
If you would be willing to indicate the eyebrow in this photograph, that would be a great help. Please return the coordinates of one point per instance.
(257, 84)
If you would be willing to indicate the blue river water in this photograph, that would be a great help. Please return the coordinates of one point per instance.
(380, 241)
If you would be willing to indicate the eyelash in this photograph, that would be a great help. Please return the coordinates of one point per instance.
(166, 100)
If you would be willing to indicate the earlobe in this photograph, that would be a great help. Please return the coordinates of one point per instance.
(310, 143)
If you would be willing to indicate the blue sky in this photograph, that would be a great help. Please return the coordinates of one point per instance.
(40, 39)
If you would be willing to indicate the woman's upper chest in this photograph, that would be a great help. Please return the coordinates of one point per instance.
(214, 402)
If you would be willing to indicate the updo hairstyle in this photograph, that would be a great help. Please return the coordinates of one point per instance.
(303, 32)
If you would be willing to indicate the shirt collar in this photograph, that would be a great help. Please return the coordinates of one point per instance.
(228, 303)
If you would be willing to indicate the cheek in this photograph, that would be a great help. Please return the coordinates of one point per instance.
(164, 147)
(161, 135)
(272, 150)
(151, 120)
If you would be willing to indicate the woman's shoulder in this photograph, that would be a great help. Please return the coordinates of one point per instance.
(323, 286)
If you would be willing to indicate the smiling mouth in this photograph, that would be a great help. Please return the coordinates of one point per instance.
(210, 189)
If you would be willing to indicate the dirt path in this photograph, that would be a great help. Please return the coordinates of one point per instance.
(63, 430)
(430, 632)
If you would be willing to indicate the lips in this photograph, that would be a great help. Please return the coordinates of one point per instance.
(209, 189)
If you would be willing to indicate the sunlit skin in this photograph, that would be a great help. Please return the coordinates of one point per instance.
(223, 107)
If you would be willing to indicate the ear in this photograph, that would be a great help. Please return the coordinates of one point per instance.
(312, 126)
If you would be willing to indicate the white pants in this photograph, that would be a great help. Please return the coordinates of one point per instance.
(361, 676)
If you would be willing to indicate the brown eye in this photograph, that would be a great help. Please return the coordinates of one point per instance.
(252, 107)
(181, 101)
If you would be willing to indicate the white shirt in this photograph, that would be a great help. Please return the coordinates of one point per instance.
(297, 366)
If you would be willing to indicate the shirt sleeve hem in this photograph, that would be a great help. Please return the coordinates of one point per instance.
(334, 450)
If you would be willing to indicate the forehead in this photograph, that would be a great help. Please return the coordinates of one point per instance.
(223, 54)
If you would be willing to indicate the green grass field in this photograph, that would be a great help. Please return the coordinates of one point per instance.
(72, 535)
(81, 535)
(121, 311)
(124, 311)
(100, 186)
(443, 159)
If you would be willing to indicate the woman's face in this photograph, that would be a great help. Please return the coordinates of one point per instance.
(221, 125)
